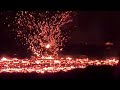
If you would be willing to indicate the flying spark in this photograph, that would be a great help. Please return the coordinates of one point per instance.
(39, 29)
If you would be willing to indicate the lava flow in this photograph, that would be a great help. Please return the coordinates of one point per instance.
(43, 34)
(49, 64)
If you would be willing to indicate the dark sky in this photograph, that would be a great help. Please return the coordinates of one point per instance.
(96, 27)
(88, 26)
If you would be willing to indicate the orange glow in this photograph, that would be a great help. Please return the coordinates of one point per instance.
(49, 64)
(47, 46)
(3, 59)
(38, 30)
(69, 58)
(43, 36)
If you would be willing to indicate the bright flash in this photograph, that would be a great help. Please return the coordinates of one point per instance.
(4, 59)
(47, 46)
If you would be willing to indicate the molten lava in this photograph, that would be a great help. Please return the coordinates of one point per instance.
(49, 64)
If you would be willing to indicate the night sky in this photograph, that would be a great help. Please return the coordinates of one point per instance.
(96, 27)
(91, 27)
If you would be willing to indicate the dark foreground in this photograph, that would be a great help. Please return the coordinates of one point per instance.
(89, 73)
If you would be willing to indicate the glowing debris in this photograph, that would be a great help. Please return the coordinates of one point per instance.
(47, 46)
(39, 29)
(4, 59)
(49, 64)
(42, 33)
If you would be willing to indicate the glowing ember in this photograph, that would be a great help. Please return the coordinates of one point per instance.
(39, 29)
(49, 64)
(69, 58)
(4, 59)
(47, 46)
(42, 33)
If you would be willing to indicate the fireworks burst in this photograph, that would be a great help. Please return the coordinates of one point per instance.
(42, 31)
